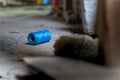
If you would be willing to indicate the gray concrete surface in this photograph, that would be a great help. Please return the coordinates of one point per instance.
(13, 41)
(9, 68)
(19, 28)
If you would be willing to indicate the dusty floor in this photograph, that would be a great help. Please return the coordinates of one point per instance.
(15, 31)
(13, 40)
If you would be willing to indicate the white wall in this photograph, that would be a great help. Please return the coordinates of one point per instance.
(89, 15)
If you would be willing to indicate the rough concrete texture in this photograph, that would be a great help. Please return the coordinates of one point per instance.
(16, 29)
(13, 40)
(90, 10)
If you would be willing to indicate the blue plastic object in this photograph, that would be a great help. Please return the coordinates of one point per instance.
(45, 2)
(39, 37)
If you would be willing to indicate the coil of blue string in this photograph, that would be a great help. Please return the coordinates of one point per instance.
(39, 37)
(9, 44)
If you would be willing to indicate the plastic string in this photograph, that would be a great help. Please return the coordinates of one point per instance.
(9, 44)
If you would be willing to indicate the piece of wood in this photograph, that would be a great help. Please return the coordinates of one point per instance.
(108, 27)
(68, 69)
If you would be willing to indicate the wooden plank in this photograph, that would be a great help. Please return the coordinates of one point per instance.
(108, 27)
(68, 69)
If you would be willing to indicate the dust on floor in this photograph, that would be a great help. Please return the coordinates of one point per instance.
(13, 38)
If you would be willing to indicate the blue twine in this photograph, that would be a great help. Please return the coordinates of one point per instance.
(8, 48)
(5, 47)
(6, 44)
(39, 37)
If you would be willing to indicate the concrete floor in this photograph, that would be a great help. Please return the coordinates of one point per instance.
(18, 28)
(9, 68)
(13, 40)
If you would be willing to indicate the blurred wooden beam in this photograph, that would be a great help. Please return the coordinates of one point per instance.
(68, 69)
(108, 27)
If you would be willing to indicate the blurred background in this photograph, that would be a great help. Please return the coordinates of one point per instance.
(71, 54)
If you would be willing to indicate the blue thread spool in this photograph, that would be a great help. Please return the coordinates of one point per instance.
(45, 2)
(39, 37)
